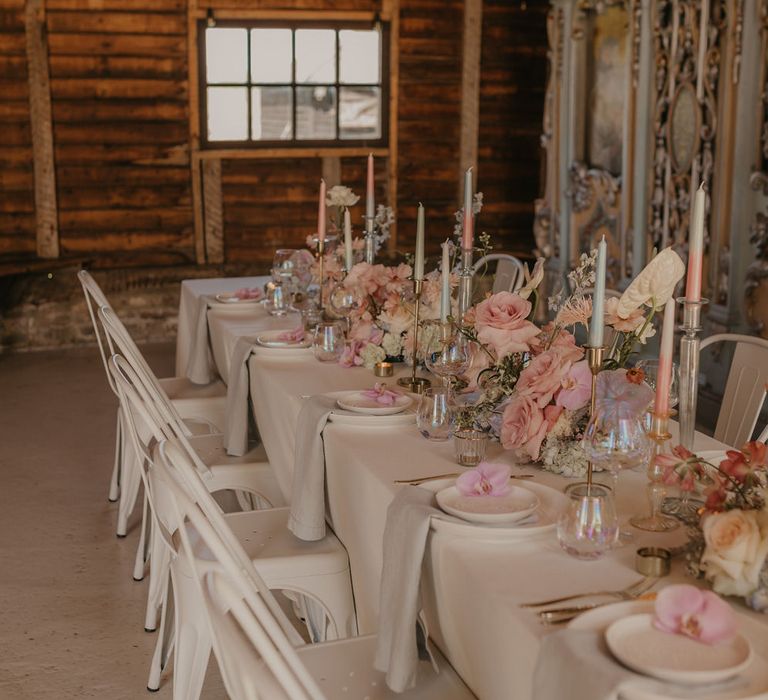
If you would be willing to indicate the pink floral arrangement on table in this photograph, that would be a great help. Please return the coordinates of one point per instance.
(381, 395)
(694, 613)
(532, 382)
(729, 541)
(249, 293)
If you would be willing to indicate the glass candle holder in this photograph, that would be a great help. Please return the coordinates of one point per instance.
(587, 527)
(470, 446)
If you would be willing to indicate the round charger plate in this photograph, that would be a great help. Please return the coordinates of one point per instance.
(543, 522)
(752, 684)
(635, 642)
(514, 506)
(230, 298)
(368, 420)
(271, 339)
(357, 402)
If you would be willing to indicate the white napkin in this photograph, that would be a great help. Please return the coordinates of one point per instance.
(200, 365)
(577, 665)
(307, 518)
(405, 540)
(237, 415)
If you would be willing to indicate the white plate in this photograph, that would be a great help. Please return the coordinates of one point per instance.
(369, 420)
(752, 684)
(639, 645)
(357, 402)
(544, 521)
(514, 506)
(231, 299)
(271, 339)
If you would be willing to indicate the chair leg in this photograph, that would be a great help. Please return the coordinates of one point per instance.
(165, 642)
(157, 594)
(114, 483)
(142, 548)
(192, 640)
(130, 481)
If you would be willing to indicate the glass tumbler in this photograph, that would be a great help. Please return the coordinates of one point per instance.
(278, 298)
(328, 341)
(436, 413)
(587, 527)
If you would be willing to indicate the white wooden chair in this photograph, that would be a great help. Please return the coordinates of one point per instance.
(255, 652)
(745, 388)
(509, 275)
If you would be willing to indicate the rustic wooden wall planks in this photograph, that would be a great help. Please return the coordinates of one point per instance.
(123, 146)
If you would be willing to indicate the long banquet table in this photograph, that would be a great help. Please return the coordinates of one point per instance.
(472, 587)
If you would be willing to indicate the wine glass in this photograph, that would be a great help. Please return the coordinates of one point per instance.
(451, 358)
(328, 341)
(344, 301)
(435, 414)
(587, 527)
(282, 264)
(616, 440)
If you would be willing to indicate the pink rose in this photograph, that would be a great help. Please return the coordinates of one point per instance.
(501, 322)
(524, 425)
(543, 377)
(576, 387)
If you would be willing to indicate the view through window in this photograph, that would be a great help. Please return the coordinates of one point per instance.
(293, 85)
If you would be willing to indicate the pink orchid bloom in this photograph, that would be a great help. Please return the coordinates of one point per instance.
(694, 613)
(576, 387)
(294, 336)
(381, 395)
(350, 357)
(486, 479)
(246, 293)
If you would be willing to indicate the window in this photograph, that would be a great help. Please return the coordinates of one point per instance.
(293, 85)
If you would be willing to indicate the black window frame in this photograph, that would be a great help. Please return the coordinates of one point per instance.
(294, 142)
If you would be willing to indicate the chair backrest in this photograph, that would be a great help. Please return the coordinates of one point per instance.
(96, 299)
(764, 435)
(509, 275)
(745, 388)
(252, 638)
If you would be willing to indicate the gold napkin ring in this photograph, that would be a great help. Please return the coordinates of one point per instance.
(653, 561)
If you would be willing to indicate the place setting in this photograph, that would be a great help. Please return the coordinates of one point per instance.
(377, 406)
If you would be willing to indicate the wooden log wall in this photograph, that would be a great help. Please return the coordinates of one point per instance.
(121, 133)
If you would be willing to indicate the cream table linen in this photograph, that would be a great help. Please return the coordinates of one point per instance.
(191, 290)
(472, 587)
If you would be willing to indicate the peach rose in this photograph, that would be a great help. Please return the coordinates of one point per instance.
(524, 425)
(736, 547)
(543, 377)
(501, 322)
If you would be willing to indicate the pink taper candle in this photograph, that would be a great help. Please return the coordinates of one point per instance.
(664, 373)
(696, 246)
(321, 213)
(468, 236)
(369, 195)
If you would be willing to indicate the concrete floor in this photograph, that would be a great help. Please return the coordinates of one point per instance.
(70, 614)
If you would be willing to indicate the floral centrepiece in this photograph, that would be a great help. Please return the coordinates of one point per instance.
(729, 542)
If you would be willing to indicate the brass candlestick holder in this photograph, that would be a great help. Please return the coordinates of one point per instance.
(595, 362)
(415, 384)
(370, 239)
(321, 255)
(466, 274)
(656, 521)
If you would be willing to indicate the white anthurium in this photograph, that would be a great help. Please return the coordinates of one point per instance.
(532, 279)
(654, 285)
(340, 196)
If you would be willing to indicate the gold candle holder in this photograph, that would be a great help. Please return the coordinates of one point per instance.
(656, 521)
(383, 369)
(413, 383)
(321, 254)
(595, 362)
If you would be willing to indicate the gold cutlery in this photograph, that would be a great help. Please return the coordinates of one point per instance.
(632, 591)
(422, 479)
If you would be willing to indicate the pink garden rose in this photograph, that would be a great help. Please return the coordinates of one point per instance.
(502, 322)
(524, 425)
(543, 377)
(576, 387)
(562, 341)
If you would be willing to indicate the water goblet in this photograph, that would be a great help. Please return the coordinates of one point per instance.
(344, 302)
(451, 357)
(587, 527)
(435, 414)
(328, 341)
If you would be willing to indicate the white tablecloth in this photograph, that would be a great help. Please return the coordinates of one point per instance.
(190, 291)
(472, 587)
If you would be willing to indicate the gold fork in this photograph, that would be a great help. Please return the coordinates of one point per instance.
(422, 479)
(622, 594)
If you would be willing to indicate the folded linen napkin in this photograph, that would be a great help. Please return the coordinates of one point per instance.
(307, 517)
(200, 365)
(565, 655)
(400, 627)
(238, 389)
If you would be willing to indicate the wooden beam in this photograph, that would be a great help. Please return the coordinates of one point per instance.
(194, 133)
(332, 170)
(212, 211)
(292, 15)
(46, 215)
(318, 152)
(470, 89)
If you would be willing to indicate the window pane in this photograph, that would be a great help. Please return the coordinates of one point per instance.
(316, 112)
(360, 113)
(271, 55)
(271, 113)
(360, 56)
(227, 113)
(226, 55)
(315, 56)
